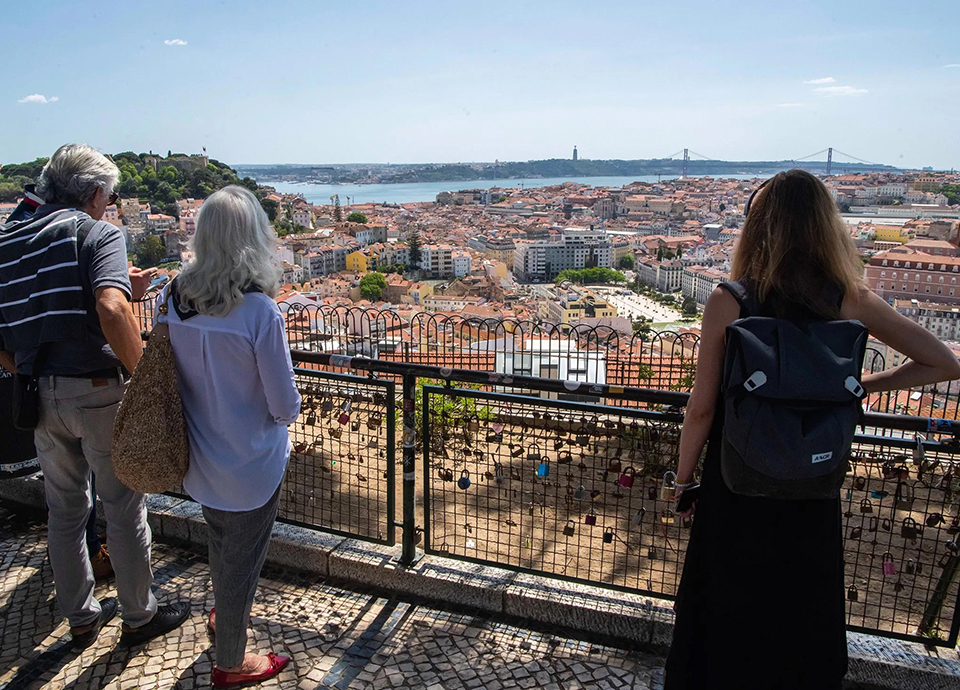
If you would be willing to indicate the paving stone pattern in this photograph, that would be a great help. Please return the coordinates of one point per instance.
(339, 638)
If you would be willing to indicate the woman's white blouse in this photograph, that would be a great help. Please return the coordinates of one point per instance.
(236, 381)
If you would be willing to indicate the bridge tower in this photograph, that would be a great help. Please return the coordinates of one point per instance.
(830, 159)
(686, 159)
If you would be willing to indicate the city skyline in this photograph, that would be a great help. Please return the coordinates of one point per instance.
(431, 83)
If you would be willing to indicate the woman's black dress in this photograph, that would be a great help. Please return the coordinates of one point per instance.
(761, 599)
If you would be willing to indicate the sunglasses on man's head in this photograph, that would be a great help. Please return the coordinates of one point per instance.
(113, 198)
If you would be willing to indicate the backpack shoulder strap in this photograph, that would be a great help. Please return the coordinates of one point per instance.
(744, 296)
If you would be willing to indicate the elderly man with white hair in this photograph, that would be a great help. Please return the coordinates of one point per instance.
(68, 332)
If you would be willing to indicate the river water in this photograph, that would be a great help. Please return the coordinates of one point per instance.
(405, 193)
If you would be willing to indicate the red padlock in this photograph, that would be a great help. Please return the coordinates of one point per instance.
(591, 517)
(344, 417)
(889, 567)
(627, 477)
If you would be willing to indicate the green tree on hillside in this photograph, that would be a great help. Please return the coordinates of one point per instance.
(591, 276)
(270, 207)
(689, 306)
(626, 262)
(413, 241)
(372, 286)
(150, 252)
(357, 217)
(337, 212)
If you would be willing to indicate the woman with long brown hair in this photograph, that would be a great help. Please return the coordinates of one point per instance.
(761, 602)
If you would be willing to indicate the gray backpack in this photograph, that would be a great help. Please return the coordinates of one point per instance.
(792, 399)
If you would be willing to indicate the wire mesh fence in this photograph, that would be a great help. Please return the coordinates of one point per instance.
(341, 475)
(584, 492)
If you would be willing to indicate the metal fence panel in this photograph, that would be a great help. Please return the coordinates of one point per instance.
(341, 476)
(573, 491)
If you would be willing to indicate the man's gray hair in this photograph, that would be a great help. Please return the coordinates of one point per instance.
(74, 173)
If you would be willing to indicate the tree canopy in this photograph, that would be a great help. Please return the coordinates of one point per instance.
(626, 261)
(160, 188)
(150, 252)
(415, 254)
(357, 217)
(372, 286)
(952, 192)
(591, 276)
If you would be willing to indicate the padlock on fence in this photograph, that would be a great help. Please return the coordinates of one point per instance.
(852, 593)
(543, 468)
(669, 486)
(446, 474)
(578, 494)
(569, 528)
(866, 506)
(638, 517)
(591, 517)
(889, 567)
(608, 535)
(533, 454)
(904, 496)
(909, 529)
(627, 478)
(464, 481)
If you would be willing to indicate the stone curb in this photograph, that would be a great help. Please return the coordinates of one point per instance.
(631, 619)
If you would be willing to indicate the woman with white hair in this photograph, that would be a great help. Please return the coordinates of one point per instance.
(239, 395)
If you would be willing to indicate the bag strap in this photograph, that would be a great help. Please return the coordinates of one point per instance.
(744, 296)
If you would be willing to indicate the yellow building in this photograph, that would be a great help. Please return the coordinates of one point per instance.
(361, 261)
(419, 292)
(891, 233)
(574, 303)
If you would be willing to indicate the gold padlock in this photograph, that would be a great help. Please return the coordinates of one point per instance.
(669, 486)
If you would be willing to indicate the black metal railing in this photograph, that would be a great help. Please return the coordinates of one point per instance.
(573, 488)
(661, 360)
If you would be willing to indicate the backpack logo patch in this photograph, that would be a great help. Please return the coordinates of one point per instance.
(821, 457)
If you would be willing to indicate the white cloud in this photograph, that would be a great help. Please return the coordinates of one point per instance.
(821, 80)
(839, 91)
(175, 42)
(952, 64)
(39, 98)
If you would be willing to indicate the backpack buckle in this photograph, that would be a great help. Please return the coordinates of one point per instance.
(852, 385)
(757, 379)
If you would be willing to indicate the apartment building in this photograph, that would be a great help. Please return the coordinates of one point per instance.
(462, 264)
(542, 260)
(665, 276)
(940, 319)
(904, 273)
(447, 303)
(699, 282)
(437, 260)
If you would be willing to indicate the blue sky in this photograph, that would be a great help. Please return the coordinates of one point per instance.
(423, 81)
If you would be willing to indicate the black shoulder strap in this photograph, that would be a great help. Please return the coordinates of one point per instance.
(182, 312)
(744, 296)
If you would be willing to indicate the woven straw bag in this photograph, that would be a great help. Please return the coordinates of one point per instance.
(151, 451)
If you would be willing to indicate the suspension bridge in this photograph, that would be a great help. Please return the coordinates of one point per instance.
(811, 158)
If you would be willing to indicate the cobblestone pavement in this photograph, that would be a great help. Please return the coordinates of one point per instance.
(339, 638)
